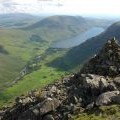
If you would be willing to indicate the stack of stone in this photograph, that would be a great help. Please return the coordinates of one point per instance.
(107, 62)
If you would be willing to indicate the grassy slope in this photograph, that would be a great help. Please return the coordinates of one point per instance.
(21, 50)
(16, 42)
(35, 80)
(103, 113)
(9, 66)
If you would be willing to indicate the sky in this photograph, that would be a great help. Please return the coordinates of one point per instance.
(78, 7)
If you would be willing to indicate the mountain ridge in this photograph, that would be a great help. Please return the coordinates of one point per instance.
(80, 92)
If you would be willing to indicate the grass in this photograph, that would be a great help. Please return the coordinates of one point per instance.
(103, 113)
(21, 50)
(35, 80)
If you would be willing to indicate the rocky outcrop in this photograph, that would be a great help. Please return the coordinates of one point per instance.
(98, 83)
(107, 62)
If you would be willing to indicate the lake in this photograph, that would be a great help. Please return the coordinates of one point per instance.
(78, 39)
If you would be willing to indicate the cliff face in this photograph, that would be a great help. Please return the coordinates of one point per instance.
(97, 84)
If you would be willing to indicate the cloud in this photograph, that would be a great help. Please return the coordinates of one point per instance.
(83, 7)
(28, 6)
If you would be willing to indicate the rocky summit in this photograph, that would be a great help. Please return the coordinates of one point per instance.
(107, 62)
(97, 84)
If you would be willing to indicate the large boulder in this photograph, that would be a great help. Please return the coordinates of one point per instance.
(50, 104)
(94, 81)
(117, 81)
(108, 98)
(96, 84)
(40, 109)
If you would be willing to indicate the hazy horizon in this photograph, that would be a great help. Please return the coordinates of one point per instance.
(98, 8)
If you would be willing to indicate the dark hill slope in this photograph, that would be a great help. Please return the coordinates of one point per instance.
(84, 51)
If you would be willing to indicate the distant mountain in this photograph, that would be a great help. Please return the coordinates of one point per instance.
(58, 22)
(59, 27)
(104, 23)
(17, 20)
(84, 51)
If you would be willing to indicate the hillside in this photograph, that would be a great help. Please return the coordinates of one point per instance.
(59, 27)
(89, 94)
(2, 50)
(21, 46)
(84, 51)
(12, 48)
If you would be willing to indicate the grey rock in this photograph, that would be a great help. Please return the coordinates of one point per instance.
(97, 84)
(107, 98)
(90, 106)
(117, 80)
(47, 105)
(73, 99)
(48, 117)
(94, 81)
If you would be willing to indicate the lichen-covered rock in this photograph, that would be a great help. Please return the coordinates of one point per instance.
(96, 84)
(108, 98)
(48, 105)
(117, 81)
(40, 109)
